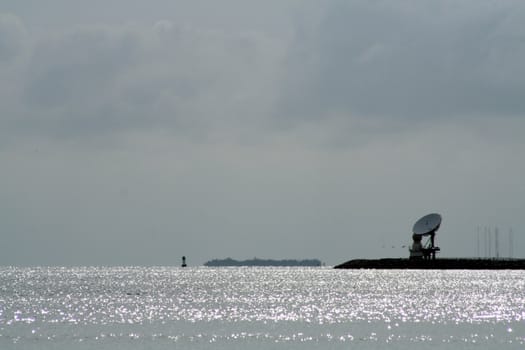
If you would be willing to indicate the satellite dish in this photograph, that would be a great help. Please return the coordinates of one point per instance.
(428, 224)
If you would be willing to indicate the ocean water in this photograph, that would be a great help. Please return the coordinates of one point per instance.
(259, 308)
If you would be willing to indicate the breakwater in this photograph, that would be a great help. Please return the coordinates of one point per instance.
(438, 264)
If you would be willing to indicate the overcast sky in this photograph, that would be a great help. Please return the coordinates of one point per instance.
(135, 132)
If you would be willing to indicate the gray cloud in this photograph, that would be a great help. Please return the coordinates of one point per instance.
(97, 80)
(345, 64)
(410, 60)
(12, 36)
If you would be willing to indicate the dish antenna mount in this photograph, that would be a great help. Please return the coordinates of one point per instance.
(427, 226)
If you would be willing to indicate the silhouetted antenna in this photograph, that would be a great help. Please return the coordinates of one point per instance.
(490, 242)
(496, 241)
(478, 241)
(486, 235)
(511, 243)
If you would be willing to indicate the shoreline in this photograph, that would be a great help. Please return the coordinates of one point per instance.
(437, 264)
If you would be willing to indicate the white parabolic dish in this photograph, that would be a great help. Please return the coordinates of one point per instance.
(427, 224)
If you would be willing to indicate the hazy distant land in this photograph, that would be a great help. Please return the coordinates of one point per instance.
(262, 262)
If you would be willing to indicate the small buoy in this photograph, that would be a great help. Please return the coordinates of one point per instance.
(184, 261)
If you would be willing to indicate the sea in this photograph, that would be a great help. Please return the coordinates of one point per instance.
(259, 308)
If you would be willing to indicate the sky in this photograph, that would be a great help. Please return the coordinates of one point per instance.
(134, 132)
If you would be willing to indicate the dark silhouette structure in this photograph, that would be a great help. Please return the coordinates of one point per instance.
(426, 226)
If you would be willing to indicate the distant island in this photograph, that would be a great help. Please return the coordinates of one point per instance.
(262, 262)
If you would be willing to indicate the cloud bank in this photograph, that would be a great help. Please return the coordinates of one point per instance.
(324, 130)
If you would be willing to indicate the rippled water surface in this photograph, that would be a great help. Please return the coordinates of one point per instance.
(259, 308)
